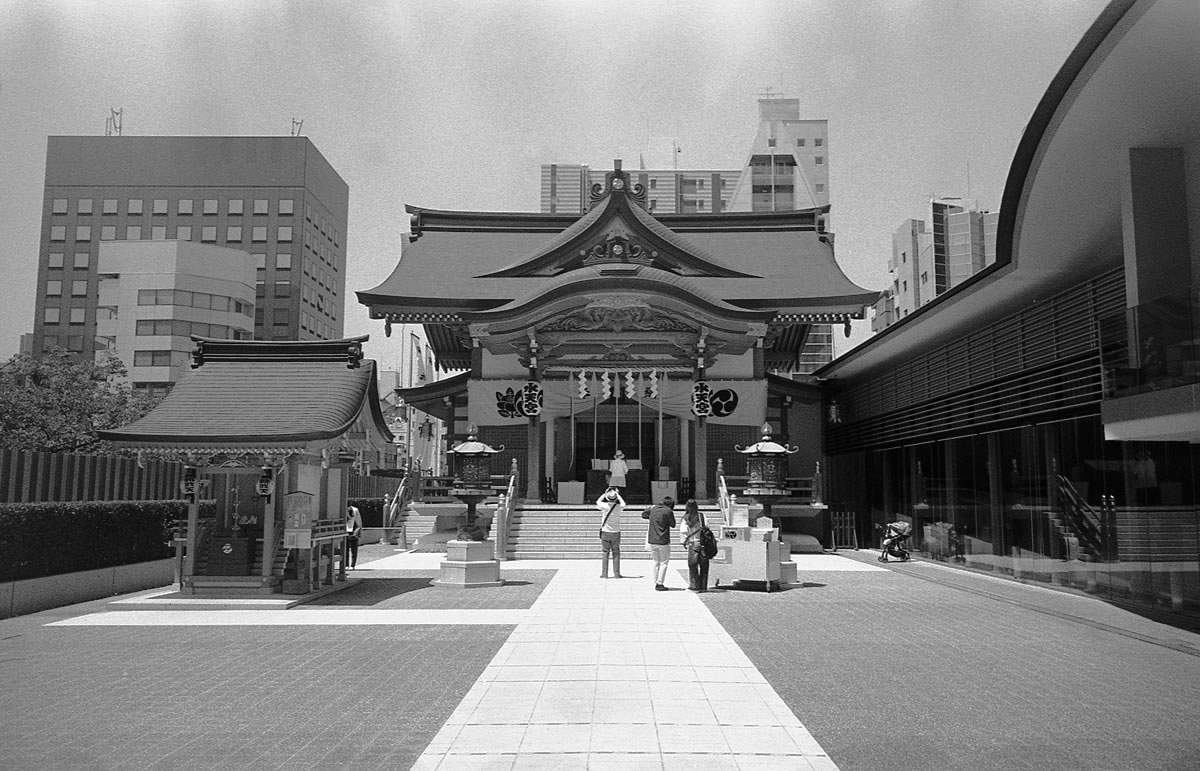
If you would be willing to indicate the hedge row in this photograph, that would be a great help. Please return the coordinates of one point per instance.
(46, 539)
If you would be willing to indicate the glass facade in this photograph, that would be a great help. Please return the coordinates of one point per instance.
(1052, 503)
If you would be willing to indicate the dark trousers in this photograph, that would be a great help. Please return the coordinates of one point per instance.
(351, 550)
(697, 569)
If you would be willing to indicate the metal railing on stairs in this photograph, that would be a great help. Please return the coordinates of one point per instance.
(503, 511)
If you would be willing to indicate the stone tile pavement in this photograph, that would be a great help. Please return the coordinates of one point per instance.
(859, 667)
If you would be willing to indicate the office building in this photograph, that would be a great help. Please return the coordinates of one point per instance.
(153, 296)
(928, 261)
(275, 198)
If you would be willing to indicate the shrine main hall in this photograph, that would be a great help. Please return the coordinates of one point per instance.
(672, 338)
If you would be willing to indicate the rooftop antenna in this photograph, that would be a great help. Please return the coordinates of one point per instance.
(297, 125)
(112, 124)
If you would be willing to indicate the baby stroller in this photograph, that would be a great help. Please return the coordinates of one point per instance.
(894, 536)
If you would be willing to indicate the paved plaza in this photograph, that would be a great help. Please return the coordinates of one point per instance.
(860, 666)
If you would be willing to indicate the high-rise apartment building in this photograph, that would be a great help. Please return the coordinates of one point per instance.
(275, 198)
(787, 168)
(927, 261)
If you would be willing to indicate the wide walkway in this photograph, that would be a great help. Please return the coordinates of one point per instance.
(860, 666)
(604, 673)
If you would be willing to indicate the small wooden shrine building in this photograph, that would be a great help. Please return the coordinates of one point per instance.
(269, 432)
(672, 338)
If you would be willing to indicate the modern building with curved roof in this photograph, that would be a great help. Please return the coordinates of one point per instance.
(1040, 419)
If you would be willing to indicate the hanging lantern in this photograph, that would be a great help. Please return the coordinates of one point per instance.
(266, 483)
(701, 399)
(531, 398)
(188, 484)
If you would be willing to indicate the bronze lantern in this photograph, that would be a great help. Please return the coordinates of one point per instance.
(766, 465)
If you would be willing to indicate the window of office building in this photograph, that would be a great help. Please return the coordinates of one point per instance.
(236, 206)
(58, 233)
(818, 142)
(260, 289)
(260, 260)
(51, 315)
(210, 205)
(151, 358)
(283, 261)
(158, 232)
(135, 206)
(287, 207)
(77, 316)
(820, 188)
(81, 260)
(75, 343)
(84, 206)
(108, 232)
(79, 288)
(109, 206)
(233, 233)
(49, 342)
(261, 206)
(183, 233)
(258, 234)
(800, 142)
(819, 160)
(186, 205)
(54, 260)
(283, 234)
(283, 289)
(133, 233)
(83, 232)
(58, 206)
(279, 317)
(159, 206)
(208, 233)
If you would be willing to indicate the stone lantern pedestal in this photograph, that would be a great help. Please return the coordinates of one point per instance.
(471, 558)
(469, 564)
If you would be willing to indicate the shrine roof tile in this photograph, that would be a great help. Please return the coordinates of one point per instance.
(259, 401)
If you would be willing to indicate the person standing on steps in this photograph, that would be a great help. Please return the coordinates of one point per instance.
(617, 469)
(610, 504)
(662, 522)
(693, 526)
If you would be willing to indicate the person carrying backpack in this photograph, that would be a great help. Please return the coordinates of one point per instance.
(699, 552)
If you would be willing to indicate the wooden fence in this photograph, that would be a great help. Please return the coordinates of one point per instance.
(43, 477)
(39, 477)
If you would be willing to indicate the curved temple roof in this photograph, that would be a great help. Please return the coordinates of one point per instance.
(260, 392)
(461, 262)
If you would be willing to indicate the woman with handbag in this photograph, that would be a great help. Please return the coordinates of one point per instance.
(693, 527)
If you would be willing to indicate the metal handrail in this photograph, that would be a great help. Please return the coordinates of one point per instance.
(503, 510)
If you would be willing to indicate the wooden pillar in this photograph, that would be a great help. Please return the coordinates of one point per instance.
(268, 545)
(533, 466)
(700, 491)
(193, 528)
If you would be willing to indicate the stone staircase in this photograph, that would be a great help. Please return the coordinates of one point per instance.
(572, 531)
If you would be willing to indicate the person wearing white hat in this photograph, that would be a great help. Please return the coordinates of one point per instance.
(610, 504)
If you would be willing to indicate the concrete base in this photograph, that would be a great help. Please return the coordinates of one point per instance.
(470, 564)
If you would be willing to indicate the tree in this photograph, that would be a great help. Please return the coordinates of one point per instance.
(58, 402)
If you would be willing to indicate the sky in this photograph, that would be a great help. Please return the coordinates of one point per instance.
(455, 104)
